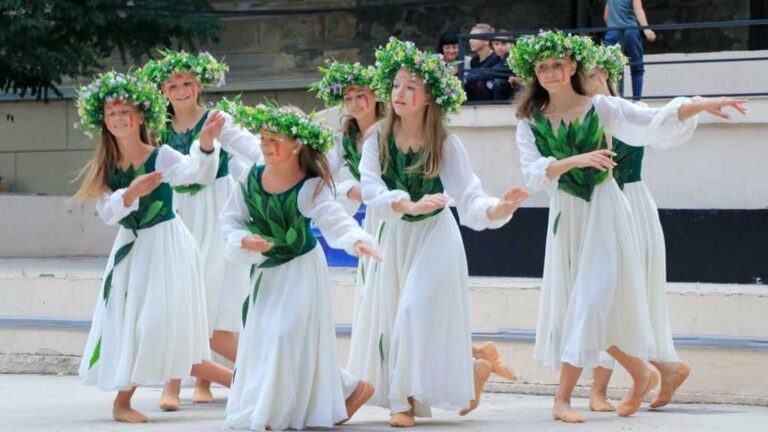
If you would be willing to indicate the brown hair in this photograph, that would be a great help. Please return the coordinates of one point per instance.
(536, 97)
(350, 127)
(311, 161)
(485, 28)
(434, 135)
(106, 155)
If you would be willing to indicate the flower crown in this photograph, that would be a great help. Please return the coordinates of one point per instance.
(204, 67)
(446, 89)
(304, 129)
(338, 77)
(612, 59)
(548, 44)
(112, 86)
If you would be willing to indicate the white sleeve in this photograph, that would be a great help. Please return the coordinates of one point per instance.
(195, 168)
(640, 125)
(336, 156)
(238, 168)
(464, 186)
(532, 163)
(111, 207)
(239, 141)
(233, 218)
(338, 228)
(376, 195)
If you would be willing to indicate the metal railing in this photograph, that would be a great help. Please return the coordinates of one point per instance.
(504, 36)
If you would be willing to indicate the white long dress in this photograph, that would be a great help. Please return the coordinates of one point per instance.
(226, 283)
(593, 292)
(416, 339)
(149, 323)
(287, 373)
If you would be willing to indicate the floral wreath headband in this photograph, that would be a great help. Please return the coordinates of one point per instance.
(111, 87)
(204, 67)
(338, 77)
(447, 90)
(306, 130)
(610, 58)
(548, 44)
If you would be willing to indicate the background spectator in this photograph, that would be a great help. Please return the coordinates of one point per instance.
(448, 46)
(624, 13)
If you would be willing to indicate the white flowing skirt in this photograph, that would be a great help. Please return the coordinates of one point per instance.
(287, 374)
(593, 292)
(226, 283)
(412, 337)
(152, 327)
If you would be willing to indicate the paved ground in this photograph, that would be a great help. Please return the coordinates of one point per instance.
(51, 403)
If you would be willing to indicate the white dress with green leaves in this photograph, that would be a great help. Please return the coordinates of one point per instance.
(199, 207)
(415, 340)
(149, 323)
(593, 293)
(287, 374)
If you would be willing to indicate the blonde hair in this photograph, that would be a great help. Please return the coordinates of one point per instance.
(430, 162)
(106, 155)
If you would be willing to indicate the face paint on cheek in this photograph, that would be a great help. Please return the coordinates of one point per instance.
(413, 99)
(277, 150)
(366, 104)
(130, 120)
(562, 75)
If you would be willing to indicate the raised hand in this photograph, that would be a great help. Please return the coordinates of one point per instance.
(142, 185)
(366, 249)
(256, 244)
(510, 202)
(211, 129)
(355, 194)
(715, 106)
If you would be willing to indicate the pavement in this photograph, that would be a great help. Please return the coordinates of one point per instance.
(50, 403)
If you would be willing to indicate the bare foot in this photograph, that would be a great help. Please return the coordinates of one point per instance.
(672, 376)
(403, 419)
(631, 402)
(202, 392)
(487, 351)
(360, 396)
(169, 401)
(599, 403)
(482, 371)
(562, 411)
(127, 414)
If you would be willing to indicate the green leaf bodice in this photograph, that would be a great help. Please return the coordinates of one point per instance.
(351, 155)
(397, 176)
(573, 139)
(153, 208)
(629, 163)
(182, 142)
(277, 219)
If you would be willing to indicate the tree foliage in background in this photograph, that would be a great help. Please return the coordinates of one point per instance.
(42, 41)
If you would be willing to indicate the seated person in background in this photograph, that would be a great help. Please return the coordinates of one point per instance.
(504, 88)
(448, 46)
(485, 67)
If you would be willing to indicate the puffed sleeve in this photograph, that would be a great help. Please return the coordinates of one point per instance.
(465, 187)
(340, 230)
(239, 141)
(233, 218)
(111, 207)
(532, 163)
(640, 125)
(195, 168)
(376, 194)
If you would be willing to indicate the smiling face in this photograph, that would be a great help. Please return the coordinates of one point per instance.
(360, 102)
(182, 90)
(450, 52)
(409, 94)
(554, 74)
(277, 147)
(123, 119)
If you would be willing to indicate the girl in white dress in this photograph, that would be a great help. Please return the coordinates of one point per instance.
(181, 77)
(149, 320)
(287, 374)
(593, 295)
(608, 66)
(418, 336)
